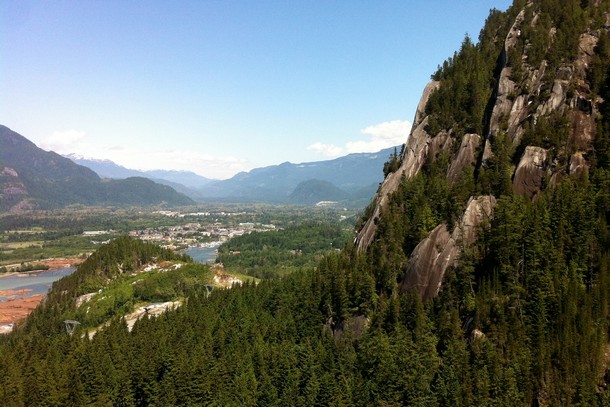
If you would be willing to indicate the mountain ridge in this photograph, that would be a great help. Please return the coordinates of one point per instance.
(109, 169)
(351, 174)
(357, 175)
(480, 275)
(32, 178)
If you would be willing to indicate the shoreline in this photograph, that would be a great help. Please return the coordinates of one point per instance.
(20, 303)
(55, 263)
(14, 310)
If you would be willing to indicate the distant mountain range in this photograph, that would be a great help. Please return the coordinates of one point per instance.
(356, 175)
(351, 180)
(31, 178)
(109, 169)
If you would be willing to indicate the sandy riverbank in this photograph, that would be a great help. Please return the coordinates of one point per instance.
(52, 264)
(20, 303)
(15, 309)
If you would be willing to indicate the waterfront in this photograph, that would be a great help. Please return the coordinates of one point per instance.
(31, 283)
(206, 255)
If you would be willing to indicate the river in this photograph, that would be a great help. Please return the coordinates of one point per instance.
(204, 255)
(39, 282)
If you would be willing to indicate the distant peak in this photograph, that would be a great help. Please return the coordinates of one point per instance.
(74, 156)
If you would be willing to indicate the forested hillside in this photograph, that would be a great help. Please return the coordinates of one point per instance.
(278, 253)
(479, 276)
(31, 178)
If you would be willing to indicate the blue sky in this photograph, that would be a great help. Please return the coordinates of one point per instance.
(218, 87)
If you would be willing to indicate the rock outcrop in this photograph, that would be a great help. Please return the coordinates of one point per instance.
(429, 261)
(441, 250)
(412, 159)
(506, 87)
(578, 165)
(466, 156)
(531, 171)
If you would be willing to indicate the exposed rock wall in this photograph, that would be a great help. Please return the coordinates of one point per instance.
(578, 165)
(440, 250)
(429, 261)
(478, 213)
(506, 87)
(531, 171)
(412, 159)
(466, 156)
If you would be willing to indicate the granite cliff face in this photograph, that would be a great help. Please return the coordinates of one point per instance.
(413, 157)
(541, 118)
(441, 250)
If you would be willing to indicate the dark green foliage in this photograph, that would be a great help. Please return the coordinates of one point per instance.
(122, 256)
(550, 132)
(467, 82)
(277, 253)
(392, 165)
(523, 319)
(537, 294)
(495, 175)
(551, 32)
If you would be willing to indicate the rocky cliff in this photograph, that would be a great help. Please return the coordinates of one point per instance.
(537, 127)
(413, 157)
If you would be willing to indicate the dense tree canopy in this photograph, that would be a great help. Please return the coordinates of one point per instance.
(522, 319)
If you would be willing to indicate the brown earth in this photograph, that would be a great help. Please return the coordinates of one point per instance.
(61, 263)
(15, 309)
(20, 303)
(53, 264)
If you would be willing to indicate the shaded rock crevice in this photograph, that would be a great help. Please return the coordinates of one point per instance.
(500, 102)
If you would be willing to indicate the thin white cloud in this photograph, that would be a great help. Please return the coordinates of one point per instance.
(204, 164)
(327, 150)
(64, 142)
(77, 143)
(181, 160)
(380, 136)
(394, 131)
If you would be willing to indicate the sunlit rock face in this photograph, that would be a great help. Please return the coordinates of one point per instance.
(441, 250)
(531, 172)
(413, 158)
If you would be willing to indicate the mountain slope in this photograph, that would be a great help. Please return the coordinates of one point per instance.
(34, 178)
(498, 213)
(313, 191)
(275, 183)
(486, 280)
(357, 175)
(109, 169)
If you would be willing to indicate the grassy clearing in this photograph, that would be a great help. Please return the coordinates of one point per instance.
(122, 295)
(32, 230)
(22, 245)
(69, 246)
